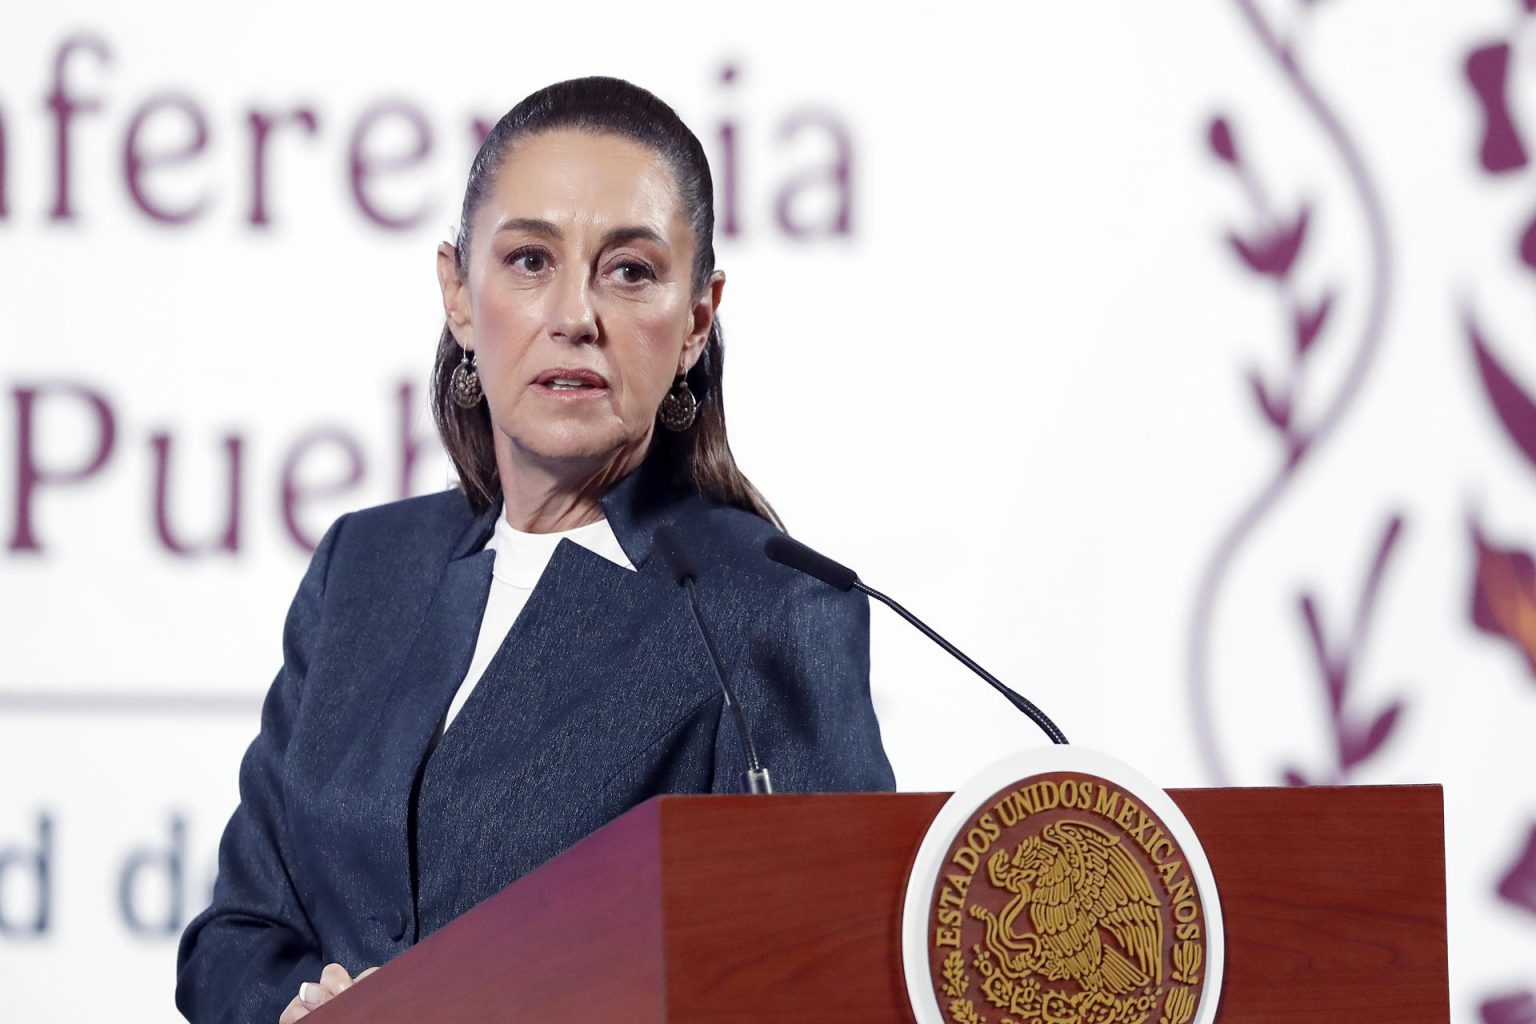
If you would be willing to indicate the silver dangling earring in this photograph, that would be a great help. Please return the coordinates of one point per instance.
(679, 408)
(464, 382)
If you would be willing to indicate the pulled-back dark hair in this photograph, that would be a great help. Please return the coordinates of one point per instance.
(699, 457)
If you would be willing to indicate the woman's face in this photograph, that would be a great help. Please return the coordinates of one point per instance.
(577, 301)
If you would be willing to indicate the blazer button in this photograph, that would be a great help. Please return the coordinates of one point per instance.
(397, 925)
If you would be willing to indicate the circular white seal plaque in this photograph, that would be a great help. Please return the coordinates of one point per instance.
(1059, 885)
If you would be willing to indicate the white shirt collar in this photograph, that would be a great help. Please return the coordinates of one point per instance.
(521, 557)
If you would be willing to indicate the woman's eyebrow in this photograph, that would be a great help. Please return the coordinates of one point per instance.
(533, 224)
(618, 236)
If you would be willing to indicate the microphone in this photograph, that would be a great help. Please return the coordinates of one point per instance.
(790, 552)
(669, 544)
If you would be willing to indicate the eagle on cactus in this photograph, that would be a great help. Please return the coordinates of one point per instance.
(1082, 910)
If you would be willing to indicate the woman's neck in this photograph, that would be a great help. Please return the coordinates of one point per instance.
(548, 496)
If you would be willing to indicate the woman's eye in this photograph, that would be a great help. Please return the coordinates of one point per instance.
(634, 272)
(530, 261)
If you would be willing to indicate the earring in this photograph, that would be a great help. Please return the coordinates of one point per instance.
(679, 408)
(464, 383)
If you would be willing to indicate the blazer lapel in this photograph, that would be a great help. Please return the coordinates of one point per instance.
(597, 644)
(440, 655)
(440, 652)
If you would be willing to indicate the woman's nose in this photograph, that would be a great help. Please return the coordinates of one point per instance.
(571, 316)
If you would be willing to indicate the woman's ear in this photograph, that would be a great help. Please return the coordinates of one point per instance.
(455, 296)
(701, 319)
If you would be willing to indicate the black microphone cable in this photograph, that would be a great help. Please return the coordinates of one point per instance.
(669, 544)
(790, 552)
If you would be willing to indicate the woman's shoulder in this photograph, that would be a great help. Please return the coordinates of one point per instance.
(727, 525)
(428, 529)
(428, 514)
(729, 541)
(717, 532)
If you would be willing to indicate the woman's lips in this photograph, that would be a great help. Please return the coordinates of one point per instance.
(571, 384)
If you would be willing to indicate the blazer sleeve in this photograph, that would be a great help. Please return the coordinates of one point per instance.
(803, 680)
(243, 958)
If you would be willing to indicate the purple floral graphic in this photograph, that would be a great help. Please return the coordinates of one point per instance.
(1356, 735)
(1488, 71)
(1271, 250)
(1515, 409)
(1515, 1009)
(1504, 595)
(1504, 584)
(1518, 886)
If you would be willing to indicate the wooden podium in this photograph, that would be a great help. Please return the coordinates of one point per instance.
(786, 910)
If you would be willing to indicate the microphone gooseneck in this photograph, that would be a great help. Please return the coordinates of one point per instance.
(669, 544)
(790, 552)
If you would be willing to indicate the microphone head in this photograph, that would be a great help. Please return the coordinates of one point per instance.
(790, 552)
(669, 544)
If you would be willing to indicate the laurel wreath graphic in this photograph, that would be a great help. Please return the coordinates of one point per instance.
(963, 1011)
(1187, 959)
(1026, 1002)
(1179, 1007)
(955, 979)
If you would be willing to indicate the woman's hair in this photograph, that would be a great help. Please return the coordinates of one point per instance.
(699, 457)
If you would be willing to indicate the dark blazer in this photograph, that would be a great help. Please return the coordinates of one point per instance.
(358, 832)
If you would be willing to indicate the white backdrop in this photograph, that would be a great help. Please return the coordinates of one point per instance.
(989, 344)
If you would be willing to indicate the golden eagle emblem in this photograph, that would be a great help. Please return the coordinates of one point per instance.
(1065, 898)
(1082, 910)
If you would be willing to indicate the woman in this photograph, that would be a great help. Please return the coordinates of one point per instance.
(464, 694)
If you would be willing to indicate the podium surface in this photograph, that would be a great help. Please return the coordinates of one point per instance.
(787, 909)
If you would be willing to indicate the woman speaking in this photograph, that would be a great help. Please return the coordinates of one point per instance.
(475, 680)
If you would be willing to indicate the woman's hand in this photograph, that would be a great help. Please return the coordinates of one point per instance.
(334, 980)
